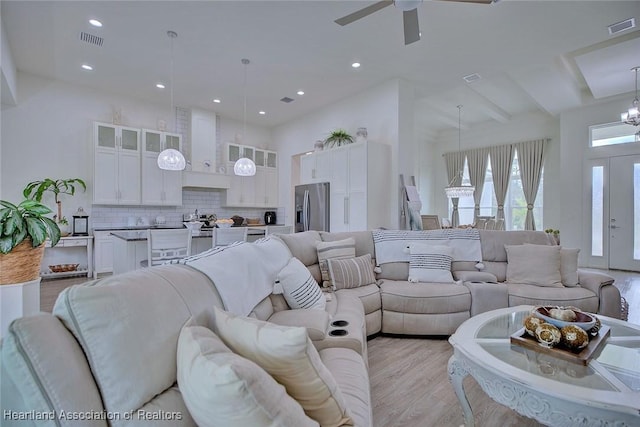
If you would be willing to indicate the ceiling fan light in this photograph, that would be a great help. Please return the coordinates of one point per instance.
(171, 160)
(244, 167)
(407, 5)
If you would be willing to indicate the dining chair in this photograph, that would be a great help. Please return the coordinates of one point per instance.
(500, 224)
(226, 236)
(167, 245)
(490, 225)
(277, 229)
(481, 221)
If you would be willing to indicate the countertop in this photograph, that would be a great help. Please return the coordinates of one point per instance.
(133, 235)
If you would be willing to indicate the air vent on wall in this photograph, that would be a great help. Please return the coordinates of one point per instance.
(471, 78)
(287, 99)
(622, 26)
(91, 39)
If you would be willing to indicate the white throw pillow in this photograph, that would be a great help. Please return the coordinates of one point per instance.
(430, 263)
(298, 286)
(568, 266)
(534, 265)
(338, 249)
(221, 388)
(352, 272)
(289, 356)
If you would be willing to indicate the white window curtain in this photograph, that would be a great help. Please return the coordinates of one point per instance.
(501, 160)
(477, 163)
(530, 160)
(455, 164)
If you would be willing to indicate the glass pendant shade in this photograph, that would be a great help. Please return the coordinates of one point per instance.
(244, 167)
(171, 160)
(632, 115)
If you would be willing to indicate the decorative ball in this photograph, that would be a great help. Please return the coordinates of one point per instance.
(596, 328)
(574, 337)
(563, 314)
(531, 323)
(548, 335)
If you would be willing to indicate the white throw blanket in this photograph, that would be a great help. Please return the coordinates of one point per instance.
(391, 245)
(244, 273)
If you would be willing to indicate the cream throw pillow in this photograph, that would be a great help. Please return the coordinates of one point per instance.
(289, 356)
(221, 388)
(339, 249)
(352, 272)
(534, 265)
(299, 288)
(568, 266)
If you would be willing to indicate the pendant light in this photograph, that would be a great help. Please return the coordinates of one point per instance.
(171, 159)
(632, 116)
(244, 166)
(456, 191)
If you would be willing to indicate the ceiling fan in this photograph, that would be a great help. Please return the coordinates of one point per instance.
(409, 10)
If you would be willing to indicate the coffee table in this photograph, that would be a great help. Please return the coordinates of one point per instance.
(552, 391)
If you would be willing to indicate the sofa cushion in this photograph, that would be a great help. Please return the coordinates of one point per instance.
(223, 388)
(493, 241)
(128, 327)
(569, 267)
(303, 246)
(338, 249)
(300, 290)
(369, 296)
(394, 271)
(534, 265)
(430, 263)
(423, 298)
(49, 370)
(582, 298)
(352, 272)
(363, 239)
(289, 356)
(316, 321)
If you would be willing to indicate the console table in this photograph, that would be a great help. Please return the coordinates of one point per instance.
(69, 242)
(554, 392)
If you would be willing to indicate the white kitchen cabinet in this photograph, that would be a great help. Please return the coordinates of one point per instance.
(242, 191)
(258, 191)
(116, 178)
(315, 167)
(160, 187)
(102, 252)
(359, 187)
(266, 191)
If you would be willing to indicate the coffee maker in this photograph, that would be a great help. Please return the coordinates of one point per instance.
(270, 217)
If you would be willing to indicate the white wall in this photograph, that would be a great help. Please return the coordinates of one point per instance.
(520, 128)
(377, 109)
(49, 134)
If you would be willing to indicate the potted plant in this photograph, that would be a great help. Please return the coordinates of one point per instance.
(337, 138)
(35, 190)
(23, 230)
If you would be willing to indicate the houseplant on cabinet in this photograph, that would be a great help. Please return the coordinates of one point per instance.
(23, 230)
(36, 189)
(337, 138)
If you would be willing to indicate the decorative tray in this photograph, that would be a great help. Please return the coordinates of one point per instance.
(523, 339)
(63, 268)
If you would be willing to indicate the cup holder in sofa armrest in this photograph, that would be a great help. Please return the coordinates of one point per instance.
(338, 332)
(339, 323)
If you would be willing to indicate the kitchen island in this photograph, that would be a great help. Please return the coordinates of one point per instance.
(130, 246)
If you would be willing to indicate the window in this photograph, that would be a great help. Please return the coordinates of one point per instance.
(612, 134)
(515, 205)
(597, 210)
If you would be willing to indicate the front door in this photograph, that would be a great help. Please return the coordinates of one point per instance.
(624, 213)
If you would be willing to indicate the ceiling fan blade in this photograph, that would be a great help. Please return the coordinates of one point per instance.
(363, 12)
(473, 1)
(411, 26)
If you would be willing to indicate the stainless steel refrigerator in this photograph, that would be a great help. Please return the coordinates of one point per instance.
(312, 207)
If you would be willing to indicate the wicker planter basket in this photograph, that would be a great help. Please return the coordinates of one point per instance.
(22, 264)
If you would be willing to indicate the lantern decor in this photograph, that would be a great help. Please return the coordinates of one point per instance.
(80, 223)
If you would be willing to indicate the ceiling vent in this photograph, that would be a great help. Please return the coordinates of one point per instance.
(618, 27)
(287, 100)
(91, 39)
(472, 78)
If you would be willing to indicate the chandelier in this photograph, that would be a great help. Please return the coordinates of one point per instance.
(456, 191)
(632, 116)
(171, 159)
(244, 166)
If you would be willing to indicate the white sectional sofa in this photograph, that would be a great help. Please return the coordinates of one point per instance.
(108, 351)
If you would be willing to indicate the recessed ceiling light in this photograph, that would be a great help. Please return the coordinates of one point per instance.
(356, 65)
(217, 101)
(300, 92)
(87, 67)
(262, 113)
(95, 23)
(159, 85)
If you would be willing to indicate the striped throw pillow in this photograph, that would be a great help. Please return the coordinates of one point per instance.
(339, 249)
(298, 287)
(430, 263)
(352, 272)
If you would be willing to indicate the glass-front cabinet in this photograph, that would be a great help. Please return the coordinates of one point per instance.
(160, 187)
(260, 190)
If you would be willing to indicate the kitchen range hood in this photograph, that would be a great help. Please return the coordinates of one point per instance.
(209, 180)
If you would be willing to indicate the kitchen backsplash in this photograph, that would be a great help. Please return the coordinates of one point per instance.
(206, 201)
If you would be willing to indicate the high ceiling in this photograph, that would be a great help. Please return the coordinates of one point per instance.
(544, 56)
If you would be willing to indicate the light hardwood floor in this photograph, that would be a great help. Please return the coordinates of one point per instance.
(409, 380)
